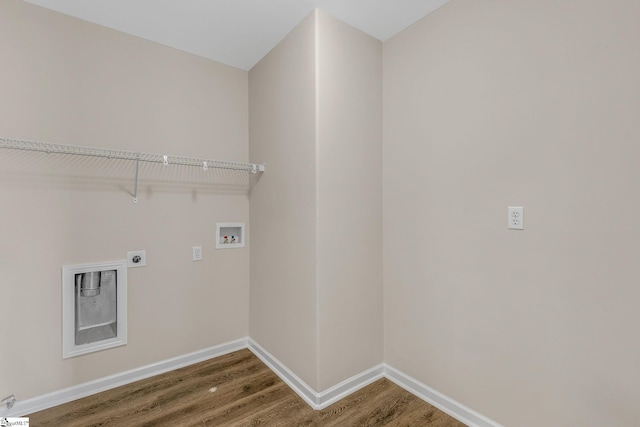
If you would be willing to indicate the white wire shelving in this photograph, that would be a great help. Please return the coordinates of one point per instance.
(77, 150)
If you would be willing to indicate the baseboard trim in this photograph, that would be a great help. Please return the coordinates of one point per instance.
(292, 380)
(351, 385)
(446, 404)
(314, 399)
(25, 407)
(321, 400)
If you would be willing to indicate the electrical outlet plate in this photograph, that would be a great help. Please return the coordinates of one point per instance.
(136, 259)
(197, 253)
(515, 218)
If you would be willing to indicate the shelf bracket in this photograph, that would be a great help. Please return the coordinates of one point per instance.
(135, 185)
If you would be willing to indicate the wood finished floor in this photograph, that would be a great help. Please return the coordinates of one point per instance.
(237, 390)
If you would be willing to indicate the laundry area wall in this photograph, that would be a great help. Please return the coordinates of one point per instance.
(67, 81)
(378, 233)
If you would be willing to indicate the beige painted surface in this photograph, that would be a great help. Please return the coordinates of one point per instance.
(349, 201)
(316, 279)
(283, 202)
(535, 104)
(67, 81)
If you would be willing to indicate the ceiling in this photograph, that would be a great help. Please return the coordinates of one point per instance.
(237, 32)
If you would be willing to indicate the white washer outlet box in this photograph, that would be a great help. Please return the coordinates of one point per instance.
(136, 259)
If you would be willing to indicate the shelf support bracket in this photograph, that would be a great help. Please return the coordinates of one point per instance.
(135, 185)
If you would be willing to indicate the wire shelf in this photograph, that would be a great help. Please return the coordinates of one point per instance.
(77, 150)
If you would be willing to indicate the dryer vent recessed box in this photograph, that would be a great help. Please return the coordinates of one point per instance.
(230, 235)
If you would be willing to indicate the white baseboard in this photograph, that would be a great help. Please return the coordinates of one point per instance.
(446, 404)
(309, 395)
(350, 385)
(292, 380)
(321, 400)
(25, 407)
(314, 399)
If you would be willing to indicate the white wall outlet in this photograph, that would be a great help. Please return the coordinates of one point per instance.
(197, 253)
(137, 259)
(515, 220)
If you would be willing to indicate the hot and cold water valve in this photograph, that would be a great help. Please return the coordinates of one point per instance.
(230, 235)
(229, 239)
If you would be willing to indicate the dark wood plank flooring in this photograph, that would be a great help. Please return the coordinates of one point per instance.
(237, 390)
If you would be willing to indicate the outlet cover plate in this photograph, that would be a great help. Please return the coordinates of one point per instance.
(515, 218)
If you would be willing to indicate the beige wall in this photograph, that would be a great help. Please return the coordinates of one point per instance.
(68, 81)
(316, 283)
(349, 201)
(283, 211)
(486, 105)
(491, 104)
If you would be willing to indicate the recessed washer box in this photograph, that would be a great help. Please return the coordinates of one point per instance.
(94, 307)
(230, 235)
